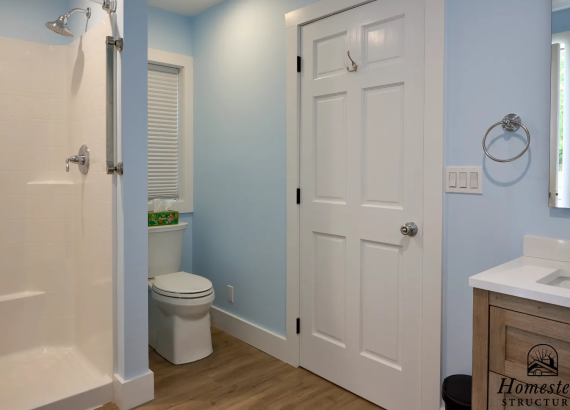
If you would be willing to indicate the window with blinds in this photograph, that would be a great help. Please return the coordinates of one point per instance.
(163, 141)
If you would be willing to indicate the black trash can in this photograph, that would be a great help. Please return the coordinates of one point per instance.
(456, 392)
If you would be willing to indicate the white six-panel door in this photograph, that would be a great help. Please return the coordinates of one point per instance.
(361, 179)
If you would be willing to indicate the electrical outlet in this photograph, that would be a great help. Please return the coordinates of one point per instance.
(230, 294)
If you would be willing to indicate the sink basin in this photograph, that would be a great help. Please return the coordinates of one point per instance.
(559, 278)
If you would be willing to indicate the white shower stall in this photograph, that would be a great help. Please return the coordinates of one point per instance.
(56, 235)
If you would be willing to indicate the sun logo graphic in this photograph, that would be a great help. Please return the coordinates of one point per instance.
(542, 360)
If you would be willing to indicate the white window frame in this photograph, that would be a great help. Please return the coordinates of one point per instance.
(185, 203)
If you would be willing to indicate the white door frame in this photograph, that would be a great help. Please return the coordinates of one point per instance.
(433, 184)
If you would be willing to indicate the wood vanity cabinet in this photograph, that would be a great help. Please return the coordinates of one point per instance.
(506, 330)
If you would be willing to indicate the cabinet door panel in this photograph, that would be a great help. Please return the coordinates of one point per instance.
(529, 348)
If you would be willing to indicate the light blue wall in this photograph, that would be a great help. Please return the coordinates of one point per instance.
(483, 83)
(239, 220)
(169, 32)
(561, 21)
(186, 264)
(132, 284)
(78, 24)
(239, 155)
(25, 19)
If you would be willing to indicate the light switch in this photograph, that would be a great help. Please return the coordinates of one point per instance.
(463, 180)
(473, 180)
(452, 180)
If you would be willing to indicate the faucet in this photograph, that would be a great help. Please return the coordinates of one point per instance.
(81, 159)
(76, 159)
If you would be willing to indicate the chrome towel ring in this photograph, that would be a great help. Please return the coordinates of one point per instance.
(510, 122)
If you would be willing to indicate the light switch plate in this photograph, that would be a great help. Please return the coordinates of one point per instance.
(474, 177)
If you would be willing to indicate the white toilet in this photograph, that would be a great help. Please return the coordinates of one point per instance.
(179, 302)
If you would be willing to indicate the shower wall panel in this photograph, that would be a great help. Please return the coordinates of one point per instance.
(56, 242)
(36, 224)
(92, 205)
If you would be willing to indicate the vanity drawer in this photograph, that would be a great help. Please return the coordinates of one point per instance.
(512, 399)
(529, 348)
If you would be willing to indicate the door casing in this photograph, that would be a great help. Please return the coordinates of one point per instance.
(433, 185)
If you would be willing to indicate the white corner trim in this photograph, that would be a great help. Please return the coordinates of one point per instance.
(319, 10)
(262, 339)
(132, 393)
(434, 166)
(186, 106)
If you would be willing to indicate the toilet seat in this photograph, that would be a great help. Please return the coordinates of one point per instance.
(183, 301)
(182, 285)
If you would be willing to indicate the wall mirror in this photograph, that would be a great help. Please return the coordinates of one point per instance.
(559, 192)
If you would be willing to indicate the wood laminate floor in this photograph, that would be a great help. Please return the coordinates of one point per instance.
(238, 376)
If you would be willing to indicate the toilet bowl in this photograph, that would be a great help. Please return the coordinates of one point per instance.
(179, 302)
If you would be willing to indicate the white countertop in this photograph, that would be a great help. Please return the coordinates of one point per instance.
(522, 277)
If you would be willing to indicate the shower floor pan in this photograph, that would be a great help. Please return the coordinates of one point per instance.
(52, 379)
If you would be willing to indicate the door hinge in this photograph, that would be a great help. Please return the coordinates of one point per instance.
(298, 196)
(298, 64)
(298, 325)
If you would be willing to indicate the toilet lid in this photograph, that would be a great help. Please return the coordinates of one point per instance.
(182, 282)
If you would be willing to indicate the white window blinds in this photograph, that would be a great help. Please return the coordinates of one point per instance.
(163, 141)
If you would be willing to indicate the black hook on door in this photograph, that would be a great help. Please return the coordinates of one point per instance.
(354, 65)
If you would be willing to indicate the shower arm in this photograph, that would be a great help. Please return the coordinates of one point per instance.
(71, 12)
(110, 6)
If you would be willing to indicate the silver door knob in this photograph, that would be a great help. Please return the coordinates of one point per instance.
(409, 229)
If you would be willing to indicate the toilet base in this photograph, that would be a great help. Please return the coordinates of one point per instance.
(180, 342)
(179, 329)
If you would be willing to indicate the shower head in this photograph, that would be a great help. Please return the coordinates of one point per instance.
(59, 26)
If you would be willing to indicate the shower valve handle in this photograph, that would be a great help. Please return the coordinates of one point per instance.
(76, 159)
(81, 159)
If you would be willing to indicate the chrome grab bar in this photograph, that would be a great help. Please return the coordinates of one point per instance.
(112, 44)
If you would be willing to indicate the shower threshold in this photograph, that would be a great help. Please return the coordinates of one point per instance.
(52, 379)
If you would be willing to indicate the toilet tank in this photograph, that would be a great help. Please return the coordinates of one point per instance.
(165, 249)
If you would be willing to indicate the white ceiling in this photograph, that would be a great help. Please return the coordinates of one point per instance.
(560, 4)
(186, 7)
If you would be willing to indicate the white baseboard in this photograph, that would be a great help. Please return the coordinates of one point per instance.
(132, 393)
(251, 334)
